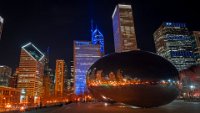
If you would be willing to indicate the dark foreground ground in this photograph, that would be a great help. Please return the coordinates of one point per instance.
(174, 107)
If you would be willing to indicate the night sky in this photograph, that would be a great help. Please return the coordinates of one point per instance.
(56, 23)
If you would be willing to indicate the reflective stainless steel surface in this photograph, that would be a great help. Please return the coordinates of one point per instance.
(136, 78)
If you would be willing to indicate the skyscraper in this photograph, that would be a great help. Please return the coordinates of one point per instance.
(97, 37)
(48, 81)
(59, 80)
(46, 62)
(5, 75)
(1, 26)
(196, 35)
(85, 54)
(71, 78)
(13, 79)
(174, 42)
(30, 73)
(123, 29)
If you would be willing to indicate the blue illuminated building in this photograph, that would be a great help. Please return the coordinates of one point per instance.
(174, 42)
(97, 37)
(85, 54)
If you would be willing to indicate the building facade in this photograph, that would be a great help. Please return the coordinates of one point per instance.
(85, 54)
(72, 73)
(174, 42)
(5, 75)
(60, 73)
(13, 79)
(9, 96)
(30, 75)
(196, 45)
(48, 80)
(190, 82)
(123, 29)
(1, 26)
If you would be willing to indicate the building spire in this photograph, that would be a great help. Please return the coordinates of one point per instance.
(96, 27)
(92, 29)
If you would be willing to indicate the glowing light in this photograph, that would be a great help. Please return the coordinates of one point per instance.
(105, 104)
(103, 97)
(30, 44)
(22, 108)
(192, 86)
(124, 6)
(1, 19)
(114, 12)
(8, 106)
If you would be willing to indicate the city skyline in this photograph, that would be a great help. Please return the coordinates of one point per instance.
(56, 24)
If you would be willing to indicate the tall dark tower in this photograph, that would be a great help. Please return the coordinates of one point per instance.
(97, 37)
(123, 29)
(46, 61)
(49, 78)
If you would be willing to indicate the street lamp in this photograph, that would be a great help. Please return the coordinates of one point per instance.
(192, 87)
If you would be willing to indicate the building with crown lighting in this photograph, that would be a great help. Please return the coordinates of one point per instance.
(30, 74)
(5, 75)
(97, 38)
(1, 26)
(85, 54)
(123, 29)
(174, 42)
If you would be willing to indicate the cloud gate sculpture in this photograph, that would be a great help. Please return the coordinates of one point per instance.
(137, 78)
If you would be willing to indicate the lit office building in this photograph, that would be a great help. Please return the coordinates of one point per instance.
(30, 74)
(48, 81)
(1, 26)
(71, 78)
(85, 54)
(52, 87)
(123, 29)
(13, 80)
(8, 97)
(72, 68)
(5, 75)
(60, 75)
(196, 35)
(174, 42)
(66, 80)
(46, 86)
